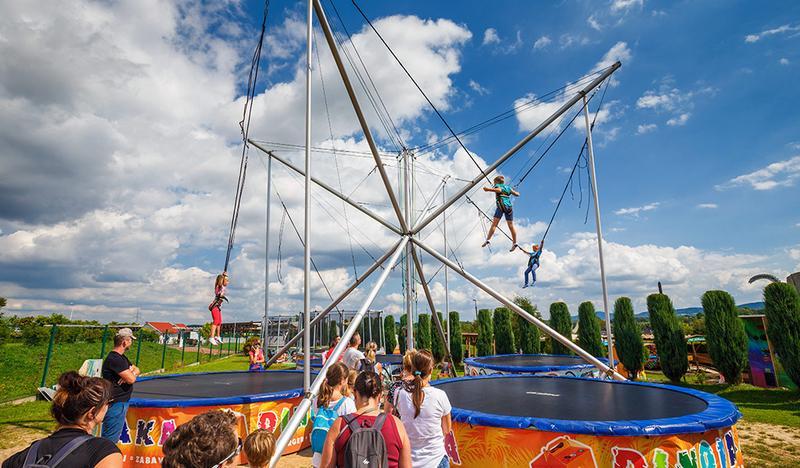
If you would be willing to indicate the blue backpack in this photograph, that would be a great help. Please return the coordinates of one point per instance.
(323, 421)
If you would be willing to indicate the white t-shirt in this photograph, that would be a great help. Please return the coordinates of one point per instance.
(424, 431)
(352, 357)
(347, 407)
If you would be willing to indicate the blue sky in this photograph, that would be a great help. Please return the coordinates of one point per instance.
(124, 148)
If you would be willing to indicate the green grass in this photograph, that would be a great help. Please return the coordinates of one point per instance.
(21, 366)
(21, 423)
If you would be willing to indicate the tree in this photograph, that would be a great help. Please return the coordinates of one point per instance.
(727, 341)
(402, 336)
(668, 336)
(526, 333)
(561, 322)
(782, 308)
(423, 335)
(485, 333)
(205, 331)
(375, 327)
(389, 334)
(503, 331)
(437, 344)
(150, 335)
(628, 337)
(589, 330)
(456, 345)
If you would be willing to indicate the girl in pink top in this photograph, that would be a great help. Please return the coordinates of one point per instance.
(216, 307)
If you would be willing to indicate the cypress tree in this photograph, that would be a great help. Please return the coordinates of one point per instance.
(423, 335)
(589, 330)
(402, 336)
(485, 333)
(561, 322)
(669, 337)
(527, 334)
(503, 331)
(727, 341)
(456, 345)
(389, 334)
(628, 337)
(782, 308)
(437, 344)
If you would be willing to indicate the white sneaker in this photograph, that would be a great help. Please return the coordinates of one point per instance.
(214, 341)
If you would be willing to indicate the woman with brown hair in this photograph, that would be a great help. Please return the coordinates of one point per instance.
(368, 391)
(79, 406)
(207, 440)
(331, 403)
(425, 412)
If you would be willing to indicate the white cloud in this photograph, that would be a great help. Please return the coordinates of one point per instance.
(618, 52)
(786, 28)
(542, 42)
(490, 37)
(679, 120)
(645, 128)
(475, 86)
(593, 23)
(777, 174)
(783, 61)
(658, 13)
(572, 40)
(625, 5)
(708, 206)
(636, 210)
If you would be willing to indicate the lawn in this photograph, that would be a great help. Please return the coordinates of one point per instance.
(21, 366)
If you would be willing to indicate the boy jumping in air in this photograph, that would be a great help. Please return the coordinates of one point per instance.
(533, 262)
(503, 195)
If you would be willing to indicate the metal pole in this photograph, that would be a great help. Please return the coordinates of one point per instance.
(530, 318)
(164, 350)
(138, 350)
(446, 289)
(287, 433)
(307, 203)
(323, 21)
(103, 345)
(49, 354)
(333, 304)
(183, 347)
(265, 321)
(407, 259)
(567, 105)
(197, 360)
(329, 189)
(599, 228)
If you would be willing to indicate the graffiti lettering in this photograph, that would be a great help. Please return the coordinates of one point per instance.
(660, 459)
(732, 448)
(167, 428)
(628, 458)
(143, 429)
(125, 436)
(268, 420)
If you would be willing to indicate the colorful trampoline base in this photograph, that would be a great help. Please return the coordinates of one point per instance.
(533, 364)
(263, 400)
(587, 423)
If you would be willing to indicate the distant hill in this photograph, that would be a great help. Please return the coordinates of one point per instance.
(686, 311)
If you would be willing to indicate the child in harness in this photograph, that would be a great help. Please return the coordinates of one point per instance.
(504, 207)
(533, 262)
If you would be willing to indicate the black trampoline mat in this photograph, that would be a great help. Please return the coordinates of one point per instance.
(569, 399)
(216, 385)
(389, 358)
(531, 361)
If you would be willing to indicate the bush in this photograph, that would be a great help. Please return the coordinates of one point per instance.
(437, 343)
(389, 334)
(33, 334)
(628, 337)
(503, 332)
(526, 333)
(485, 333)
(456, 345)
(423, 336)
(5, 330)
(589, 330)
(402, 335)
(668, 336)
(727, 341)
(782, 308)
(561, 322)
(147, 335)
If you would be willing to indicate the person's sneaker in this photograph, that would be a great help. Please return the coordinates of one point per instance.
(214, 340)
(485, 244)
(513, 247)
(524, 286)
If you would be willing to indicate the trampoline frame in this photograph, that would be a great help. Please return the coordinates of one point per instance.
(477, 362)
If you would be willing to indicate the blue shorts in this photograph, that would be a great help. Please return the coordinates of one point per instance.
(509, 213)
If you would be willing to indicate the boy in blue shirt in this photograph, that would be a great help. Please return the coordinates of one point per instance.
(503, 195)
(533, 262)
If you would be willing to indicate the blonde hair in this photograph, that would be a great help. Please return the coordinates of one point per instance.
(370, 351)
(499, 179)
(258, 447)
(351, 381)
(408, 360)
(220, 279)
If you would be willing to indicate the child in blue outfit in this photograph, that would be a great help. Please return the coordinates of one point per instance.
(503, 195)
(533, 262)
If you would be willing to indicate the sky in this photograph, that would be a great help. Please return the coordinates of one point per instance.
(120, 147)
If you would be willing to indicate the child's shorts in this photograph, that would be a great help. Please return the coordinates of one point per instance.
(509, 214)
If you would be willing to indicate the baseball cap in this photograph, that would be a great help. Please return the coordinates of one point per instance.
(126, 332)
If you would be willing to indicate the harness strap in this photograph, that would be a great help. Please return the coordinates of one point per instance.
(33, 454)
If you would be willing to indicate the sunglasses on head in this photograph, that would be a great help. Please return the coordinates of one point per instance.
(237, 451)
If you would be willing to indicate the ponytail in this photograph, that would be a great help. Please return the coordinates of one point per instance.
(336, 374)
(422, 366)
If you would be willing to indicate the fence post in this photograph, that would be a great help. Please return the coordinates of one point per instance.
(229, 344)
(49, 354)
(183, 346)
(138, 349)
(236, 348)
(103, 346)
(198, 348)
(210, 350)
(164, 337)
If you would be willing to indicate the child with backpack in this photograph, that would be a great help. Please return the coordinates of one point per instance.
(331, 403)
(369, 362)
(504, 208)
(425, 412)
(367, 437)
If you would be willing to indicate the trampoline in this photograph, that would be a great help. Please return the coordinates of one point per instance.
(582, 422)
(392, 365)
(159, 404)
(534, 364)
